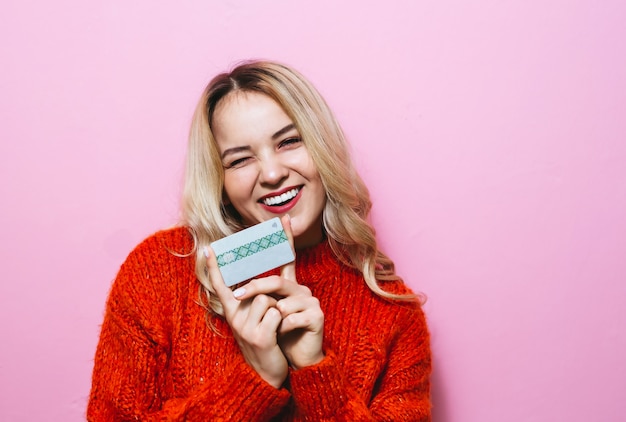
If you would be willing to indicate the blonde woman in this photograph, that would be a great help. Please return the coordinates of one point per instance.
(335, 335)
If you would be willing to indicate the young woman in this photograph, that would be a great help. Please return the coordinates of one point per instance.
(334, 336)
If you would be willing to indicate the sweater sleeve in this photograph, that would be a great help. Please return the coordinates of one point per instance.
(133, 354)
(323, 393)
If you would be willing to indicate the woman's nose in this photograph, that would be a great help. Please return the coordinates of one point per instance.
(273, 171)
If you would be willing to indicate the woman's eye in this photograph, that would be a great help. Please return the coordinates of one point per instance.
(290, 141)
(238, 162)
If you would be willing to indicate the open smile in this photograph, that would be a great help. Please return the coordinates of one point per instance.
(282, 201)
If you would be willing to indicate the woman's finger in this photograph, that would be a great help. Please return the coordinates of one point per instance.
(271, 320)
(288, 270)
(259, 305)
(224, 294)
(273, 285)
(300, 312)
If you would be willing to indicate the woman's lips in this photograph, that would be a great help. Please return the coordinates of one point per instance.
(281, 202)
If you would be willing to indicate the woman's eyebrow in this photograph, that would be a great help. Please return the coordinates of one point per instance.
(276, 135)
(284, 130)
(235, 150)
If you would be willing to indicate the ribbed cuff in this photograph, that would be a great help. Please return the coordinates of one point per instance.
(246, 395)
(319, 389)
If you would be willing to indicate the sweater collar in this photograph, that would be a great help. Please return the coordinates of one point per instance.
(315, 263)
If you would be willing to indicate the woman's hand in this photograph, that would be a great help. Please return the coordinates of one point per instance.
(254, 321)
(302, 328)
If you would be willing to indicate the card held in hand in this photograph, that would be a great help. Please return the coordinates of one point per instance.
(252, 251)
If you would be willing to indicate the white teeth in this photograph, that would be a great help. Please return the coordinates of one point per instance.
(280, 199)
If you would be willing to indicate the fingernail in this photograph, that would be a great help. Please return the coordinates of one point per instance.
(288, 217)
(206, 251)
(239, 292)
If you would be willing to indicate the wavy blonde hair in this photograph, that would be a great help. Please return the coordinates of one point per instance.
(345, 216)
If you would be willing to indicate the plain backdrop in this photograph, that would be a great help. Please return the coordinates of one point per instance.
(492, 135)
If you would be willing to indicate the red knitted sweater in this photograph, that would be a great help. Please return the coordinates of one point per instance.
(157, 358)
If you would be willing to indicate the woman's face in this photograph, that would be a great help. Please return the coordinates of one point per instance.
(268, 170)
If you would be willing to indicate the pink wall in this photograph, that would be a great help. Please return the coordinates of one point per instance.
(492, 134)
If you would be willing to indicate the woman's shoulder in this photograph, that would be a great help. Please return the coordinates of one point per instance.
(175, 239)
(159, 255)
(153, 281)
(397, 287)
(160, 263)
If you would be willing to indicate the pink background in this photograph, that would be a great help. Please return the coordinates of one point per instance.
(492, 135)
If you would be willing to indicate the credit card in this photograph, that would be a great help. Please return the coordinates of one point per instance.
(252, 251)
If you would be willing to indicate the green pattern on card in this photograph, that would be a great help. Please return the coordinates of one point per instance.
(251, 248)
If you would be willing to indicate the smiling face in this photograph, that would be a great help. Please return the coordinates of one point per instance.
(268, 170)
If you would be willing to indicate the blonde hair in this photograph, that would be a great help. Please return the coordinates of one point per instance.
(345, 216)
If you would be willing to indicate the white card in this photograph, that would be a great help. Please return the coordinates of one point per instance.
(252, 251)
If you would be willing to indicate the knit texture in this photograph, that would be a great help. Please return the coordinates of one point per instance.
(158, 360)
